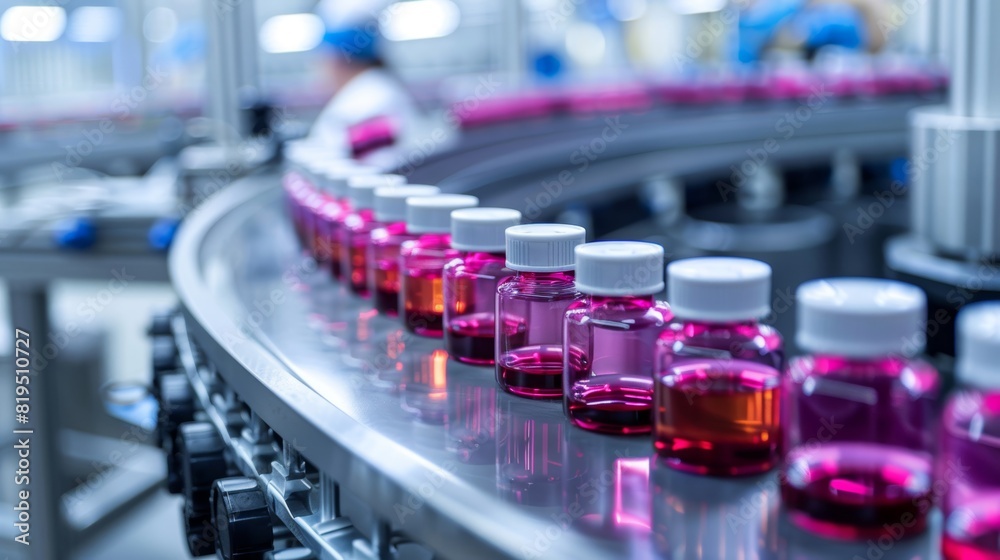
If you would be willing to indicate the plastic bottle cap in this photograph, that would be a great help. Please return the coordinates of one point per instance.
(719, 289)
(482, 229)
(361, 188)
(860, 317)
(978, 345)
(334, 176)
(432, 214)
(619, 268)
(390, 202)
(543, 247)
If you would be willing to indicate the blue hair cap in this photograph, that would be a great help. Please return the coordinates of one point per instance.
(356, 43)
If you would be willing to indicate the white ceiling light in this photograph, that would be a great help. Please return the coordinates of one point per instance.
(690, 7)
(94, 24)
(585, 43)
(291, 33)
(419, 19)
(627, 10)
(32, 23)
(159, 25)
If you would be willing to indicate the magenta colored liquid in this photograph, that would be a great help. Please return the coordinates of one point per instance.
(531, 307)
(383, 266)
(858, 490)
(860, 434)
(719, 417)
(968, 469)
(356, 235)
(471, 339)
(532, 371)
(981, 546)
(386, 302)
(470, 289)
(609, 362)
(612, 404)
(422, 282)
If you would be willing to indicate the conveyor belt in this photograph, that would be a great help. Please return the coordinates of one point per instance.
(430, 445)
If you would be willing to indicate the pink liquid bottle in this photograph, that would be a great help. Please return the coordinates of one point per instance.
(470, 282)
(610, 336)
(861, 412)
(382, 259)
(969, 468)
(422, 260)
(328, 247)
(530, 308)
(358, 226)
(718, 378)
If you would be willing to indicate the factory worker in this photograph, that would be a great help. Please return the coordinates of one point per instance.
(809, 25)
(365, 88)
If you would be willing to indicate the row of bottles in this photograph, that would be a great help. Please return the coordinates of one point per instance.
(852, 424)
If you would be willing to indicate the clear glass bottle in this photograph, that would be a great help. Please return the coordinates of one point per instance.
(861, 412)
(470, 282)
(610, 336)
(422, 260)
(718, 370)
(970, 441)
(358, 226)
(382, 260)
(531, 305)
(327, 248)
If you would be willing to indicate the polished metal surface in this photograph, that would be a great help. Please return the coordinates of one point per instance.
(956, 148)
(431, 445)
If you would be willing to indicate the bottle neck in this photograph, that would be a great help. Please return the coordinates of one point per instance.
(435, 239)
(482, 256)
(562, 275)
(712, 325)
(648, 300)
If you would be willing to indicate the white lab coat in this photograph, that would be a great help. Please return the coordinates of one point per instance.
(372, 93)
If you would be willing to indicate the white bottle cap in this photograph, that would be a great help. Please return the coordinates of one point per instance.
(860, 317)
(482, 229)
(390, 202)
(334, 176)
(432, 214)
(361, 189)
(719, 289)
(619, 268)
(543, 247)
(978, 345)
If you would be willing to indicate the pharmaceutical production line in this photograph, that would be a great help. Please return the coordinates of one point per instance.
(365, 438)
(297, 410)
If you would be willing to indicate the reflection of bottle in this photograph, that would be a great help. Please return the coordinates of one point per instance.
(422, 260)
(530, 308)
(971, 441)
(385, 359)
(610, 335)
(358, 225)
(470, 282)
(701, 518)
(861, 416)
(383, 251)
(530, 443)
(609, 496)
(425, 392)
(472, 409)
